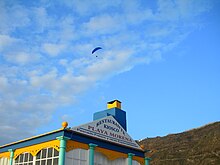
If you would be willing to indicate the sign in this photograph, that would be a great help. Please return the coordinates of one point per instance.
(107, 129)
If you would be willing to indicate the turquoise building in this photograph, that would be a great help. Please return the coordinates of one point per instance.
(104, 141)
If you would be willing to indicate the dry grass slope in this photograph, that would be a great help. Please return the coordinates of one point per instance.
(199, 146)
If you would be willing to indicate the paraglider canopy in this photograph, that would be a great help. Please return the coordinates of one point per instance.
(94, 50)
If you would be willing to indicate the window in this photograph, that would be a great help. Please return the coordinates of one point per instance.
(47, 156)
(77, 157)
(121, 161)
(24, 159)
(4, 161)
(100, 159)
(134, 162)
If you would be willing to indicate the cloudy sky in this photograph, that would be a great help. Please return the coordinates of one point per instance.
(160, 58)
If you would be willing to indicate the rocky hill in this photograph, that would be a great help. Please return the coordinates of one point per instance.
(199, 146)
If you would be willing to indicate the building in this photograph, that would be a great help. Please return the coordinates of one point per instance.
(104, 141)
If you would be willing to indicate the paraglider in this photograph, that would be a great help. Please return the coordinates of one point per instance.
(94, 50)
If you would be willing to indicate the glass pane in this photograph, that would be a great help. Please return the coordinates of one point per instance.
(50, 150)
(16, 160)
(30, 157)
(30, 164)
(37, 162)
(38, 155)
(44, 151)
(55, 161)
(49, 161)
(56, 153)
(25, 157)
(83, 163)
(75, 161)
(21, 158)
(43, 162)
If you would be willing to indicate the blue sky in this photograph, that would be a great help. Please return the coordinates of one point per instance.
(160, 58)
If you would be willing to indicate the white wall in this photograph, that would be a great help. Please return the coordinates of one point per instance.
(134, 162)
(77, 157)
(4, 161)
(81, 157)
(101, 159)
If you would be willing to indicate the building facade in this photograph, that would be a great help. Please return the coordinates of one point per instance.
(104, 141)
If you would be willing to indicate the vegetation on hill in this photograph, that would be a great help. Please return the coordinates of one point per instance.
(199, 146)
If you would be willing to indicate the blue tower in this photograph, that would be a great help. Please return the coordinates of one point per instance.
(113, 109)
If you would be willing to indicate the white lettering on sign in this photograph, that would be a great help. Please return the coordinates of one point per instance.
(107, 129)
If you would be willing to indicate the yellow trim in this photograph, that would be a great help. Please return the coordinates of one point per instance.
(139, 159)
(111, 155)
(34, 149)
(70, 145)
(5, 155)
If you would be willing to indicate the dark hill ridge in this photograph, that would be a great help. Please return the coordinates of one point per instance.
(199, 146)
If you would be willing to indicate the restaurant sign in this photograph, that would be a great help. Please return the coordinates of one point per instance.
(107, 129)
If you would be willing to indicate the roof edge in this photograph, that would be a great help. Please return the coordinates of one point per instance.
(33, 137)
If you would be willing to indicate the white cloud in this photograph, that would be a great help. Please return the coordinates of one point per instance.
(181, 10)
(12, 17)
(7, 41)
(21, 58)
(104, 24)
(53, 49)
(115, 63)
(87, 7)
(3, 83)
(188, 8)
(41, 20)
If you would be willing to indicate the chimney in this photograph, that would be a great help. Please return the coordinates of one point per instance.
(113, 109)
(114, 104)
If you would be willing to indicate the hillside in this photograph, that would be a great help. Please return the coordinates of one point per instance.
(199, 146)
